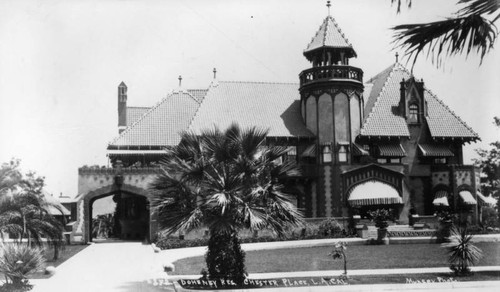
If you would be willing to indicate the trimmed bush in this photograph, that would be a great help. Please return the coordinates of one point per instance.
(330, 228)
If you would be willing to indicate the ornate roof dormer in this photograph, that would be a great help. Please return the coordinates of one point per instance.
(329, 52)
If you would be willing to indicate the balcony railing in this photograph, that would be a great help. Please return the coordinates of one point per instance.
(327, 73)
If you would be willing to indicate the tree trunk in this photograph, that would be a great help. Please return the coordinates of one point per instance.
(225, 259)
(56, 252)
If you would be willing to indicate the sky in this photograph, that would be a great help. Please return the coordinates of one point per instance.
(62, 61)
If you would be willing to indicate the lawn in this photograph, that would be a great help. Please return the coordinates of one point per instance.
(359, 257)
(64, 255)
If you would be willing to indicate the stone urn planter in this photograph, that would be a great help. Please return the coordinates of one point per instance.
(382, 237)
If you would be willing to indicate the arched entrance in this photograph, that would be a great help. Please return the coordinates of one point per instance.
(126, 217)
(133, 214)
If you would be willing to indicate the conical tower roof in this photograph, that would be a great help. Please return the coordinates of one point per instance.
(329, 35)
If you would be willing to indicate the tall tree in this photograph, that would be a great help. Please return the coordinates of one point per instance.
(489, 162)
(471, 28)
(227, 181)
(24, 211)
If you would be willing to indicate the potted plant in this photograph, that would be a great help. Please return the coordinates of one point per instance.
(381, 218)
(445, 220)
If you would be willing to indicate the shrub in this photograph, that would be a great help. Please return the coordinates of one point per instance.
(462, 253)
(17, 261)
(330, 228)
(489, 217)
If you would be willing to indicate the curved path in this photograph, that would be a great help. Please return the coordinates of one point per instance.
(117, 266)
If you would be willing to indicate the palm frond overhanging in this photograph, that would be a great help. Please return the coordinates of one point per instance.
(472, 29)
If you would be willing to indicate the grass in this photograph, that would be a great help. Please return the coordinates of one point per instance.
(358, 256)
(64, 255)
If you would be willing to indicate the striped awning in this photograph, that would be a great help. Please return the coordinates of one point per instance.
(391, 150)
(486, 201)
(441, 199)
(357, 150)
(373, 193)
(429, 150)
(310, 151)
(467, 198)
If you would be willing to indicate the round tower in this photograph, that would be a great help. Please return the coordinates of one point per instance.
(332, 93)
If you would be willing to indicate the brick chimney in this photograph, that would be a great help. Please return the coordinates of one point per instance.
(122, 107)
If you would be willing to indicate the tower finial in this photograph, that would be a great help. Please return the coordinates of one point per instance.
(397, 57)
(215, 73)
(180, 81)
(328, 5)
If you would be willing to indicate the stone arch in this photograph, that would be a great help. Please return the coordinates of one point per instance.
(84, 206)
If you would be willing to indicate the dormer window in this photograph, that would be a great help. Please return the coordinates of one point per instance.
(342, 153)
(326, 152)
(413, 113)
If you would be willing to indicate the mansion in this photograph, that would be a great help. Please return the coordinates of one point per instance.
(362, 143)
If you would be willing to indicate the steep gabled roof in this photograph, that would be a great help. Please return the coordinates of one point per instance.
(161, 124)
(135, 113)
(381, 115)
(330, 35)
(274, 106)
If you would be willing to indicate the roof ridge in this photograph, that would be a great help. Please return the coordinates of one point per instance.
(194, 98)
(391, 67)
(381, 91)
(138, 107)
(451, 111)
(200, 105)
(339, 30)
(259, 82)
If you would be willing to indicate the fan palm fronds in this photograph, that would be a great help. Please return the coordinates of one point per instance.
(224, 180)
(470, 31)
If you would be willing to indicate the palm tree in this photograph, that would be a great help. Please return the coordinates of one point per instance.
(103, 225)
(227, 181)
(25, 215)
(471, 28)
(462, 253)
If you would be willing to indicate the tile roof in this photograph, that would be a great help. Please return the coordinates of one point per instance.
(275, 106)
(435, 150)
(198, 94)
(381, 118)
(135, 113)
(391, 150)
(329, 34)
(161, 124)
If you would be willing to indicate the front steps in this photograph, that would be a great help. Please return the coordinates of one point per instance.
(370, 231)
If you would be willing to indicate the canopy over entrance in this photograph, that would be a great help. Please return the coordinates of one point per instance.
(467, 198)
(373, 192)
(486, 201)
(441, 199)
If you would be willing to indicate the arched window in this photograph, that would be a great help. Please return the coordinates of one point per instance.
(413, 113)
